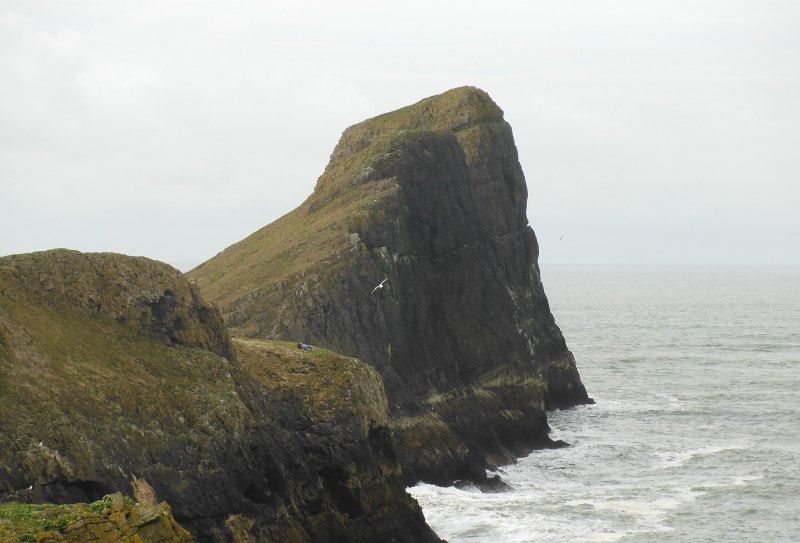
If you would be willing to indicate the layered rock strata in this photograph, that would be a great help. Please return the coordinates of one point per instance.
(106, 387)
(432, 200)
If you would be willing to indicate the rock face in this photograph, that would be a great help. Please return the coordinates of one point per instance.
(431, 198)
(112, 379)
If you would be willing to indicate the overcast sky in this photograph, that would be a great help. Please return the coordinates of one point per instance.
(649, 132)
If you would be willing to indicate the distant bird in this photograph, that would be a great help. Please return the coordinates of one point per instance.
(562, 237)
(30, 487)
(379, 286)
(41, 444)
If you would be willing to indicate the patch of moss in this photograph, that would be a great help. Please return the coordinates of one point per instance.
(21, 522)
(59, 523)
(101, 505)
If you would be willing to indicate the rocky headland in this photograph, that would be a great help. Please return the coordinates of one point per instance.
(187, 392)
(432, 198)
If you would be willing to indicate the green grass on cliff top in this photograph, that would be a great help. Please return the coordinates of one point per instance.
(20, 522)
(321, 379)
(62, 371)
(311, 235)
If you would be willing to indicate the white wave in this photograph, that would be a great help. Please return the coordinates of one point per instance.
(742, 481)
(632, 507)
(687, 494)
(674, 459)
(622, 406)
(667, 397)
(605, 536)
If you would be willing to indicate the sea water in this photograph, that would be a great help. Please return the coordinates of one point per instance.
(695, 435)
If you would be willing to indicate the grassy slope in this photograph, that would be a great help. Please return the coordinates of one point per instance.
(20, 522)
(326, 382)
(69, 369)
(63, 372)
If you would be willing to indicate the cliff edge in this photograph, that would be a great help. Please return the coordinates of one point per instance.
(432, 199)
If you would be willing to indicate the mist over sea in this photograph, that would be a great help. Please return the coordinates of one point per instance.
(696, 432)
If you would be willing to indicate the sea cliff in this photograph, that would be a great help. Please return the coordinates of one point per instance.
(432, 199)
(121, 375)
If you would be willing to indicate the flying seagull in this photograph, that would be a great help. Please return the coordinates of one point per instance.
(379, 286)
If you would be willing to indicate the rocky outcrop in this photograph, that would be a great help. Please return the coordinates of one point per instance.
(121, 522)
(114, 519)
(432, 199)
(273, 444)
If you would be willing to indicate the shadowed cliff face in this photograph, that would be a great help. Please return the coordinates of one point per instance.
(431, 197)
(273, 444)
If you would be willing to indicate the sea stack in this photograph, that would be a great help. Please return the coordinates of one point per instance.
(432, 199)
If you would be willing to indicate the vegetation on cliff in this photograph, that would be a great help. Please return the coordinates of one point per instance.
(113, 519)
(268, 444)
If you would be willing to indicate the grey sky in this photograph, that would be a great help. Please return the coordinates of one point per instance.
(649, 132)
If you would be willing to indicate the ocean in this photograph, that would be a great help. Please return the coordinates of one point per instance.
(695, 435)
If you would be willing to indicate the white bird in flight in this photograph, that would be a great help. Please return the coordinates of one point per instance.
(379, 286)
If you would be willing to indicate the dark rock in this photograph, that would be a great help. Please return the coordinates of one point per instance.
(491, 485)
